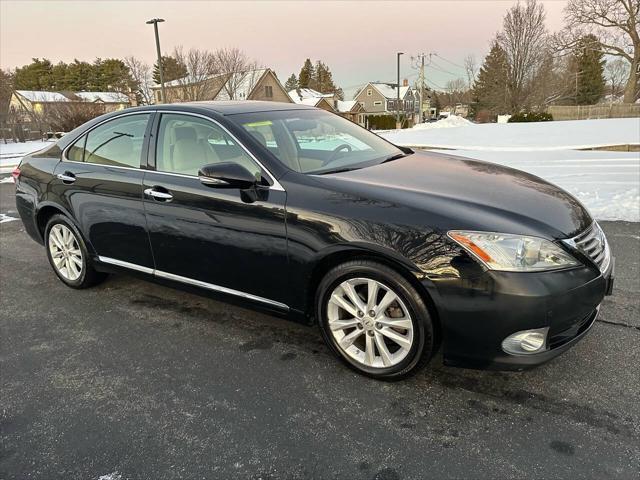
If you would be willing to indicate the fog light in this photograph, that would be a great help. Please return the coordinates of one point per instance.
(526, 341)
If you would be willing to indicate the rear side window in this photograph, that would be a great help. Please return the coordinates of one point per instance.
(117, 142)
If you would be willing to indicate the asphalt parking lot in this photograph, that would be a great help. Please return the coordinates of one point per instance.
(132, 380)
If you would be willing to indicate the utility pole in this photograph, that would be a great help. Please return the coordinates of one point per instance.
(398, 124)
(155, 22)
(421, 82)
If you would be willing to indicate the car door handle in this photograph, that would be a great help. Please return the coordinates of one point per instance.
(66, 177)
(157, 194)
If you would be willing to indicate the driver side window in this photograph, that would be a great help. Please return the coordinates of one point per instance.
(186, 143)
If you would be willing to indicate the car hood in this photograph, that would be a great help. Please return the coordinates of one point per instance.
(458, 193)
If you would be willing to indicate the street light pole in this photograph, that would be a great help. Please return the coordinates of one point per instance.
(155, 22)
(398, 125)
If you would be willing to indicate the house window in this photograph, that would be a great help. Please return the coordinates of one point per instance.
(390, 105)
(377, 103)
(369, 92)
(268, 91)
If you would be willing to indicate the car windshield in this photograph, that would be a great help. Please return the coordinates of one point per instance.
(315, 141)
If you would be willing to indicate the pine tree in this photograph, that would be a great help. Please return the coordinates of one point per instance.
(490, 89)
(587, 66)
(80, 76)
(172, 69)
(307, 75)
(291, 83)
(34, 76)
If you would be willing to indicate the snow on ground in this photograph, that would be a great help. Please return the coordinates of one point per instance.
(567, 135)
(12, 153)
(607, 183)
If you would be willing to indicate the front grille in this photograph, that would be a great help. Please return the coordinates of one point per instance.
(593, 243)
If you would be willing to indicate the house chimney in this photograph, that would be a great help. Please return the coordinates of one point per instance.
(405, 82)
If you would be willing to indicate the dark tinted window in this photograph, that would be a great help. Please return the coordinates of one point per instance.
(117, 142)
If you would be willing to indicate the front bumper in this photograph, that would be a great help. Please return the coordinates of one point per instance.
(478, 314)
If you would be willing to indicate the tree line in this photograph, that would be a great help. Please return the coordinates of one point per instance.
(596, 55)
(316, 76)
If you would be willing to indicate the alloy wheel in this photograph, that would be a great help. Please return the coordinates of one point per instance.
(370, 323)
(65, 252)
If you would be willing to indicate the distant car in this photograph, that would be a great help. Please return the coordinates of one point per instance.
(301, 212)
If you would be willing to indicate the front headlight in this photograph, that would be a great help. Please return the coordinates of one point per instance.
(513, 253)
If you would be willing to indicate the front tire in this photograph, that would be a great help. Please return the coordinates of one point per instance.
(68, 255)
(374, 320)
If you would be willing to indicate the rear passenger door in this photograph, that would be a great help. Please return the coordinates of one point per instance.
(222, 239)
(99, 181)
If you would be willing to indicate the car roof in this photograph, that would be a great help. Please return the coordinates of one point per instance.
(229, 107)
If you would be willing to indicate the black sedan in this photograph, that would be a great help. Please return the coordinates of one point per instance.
(393, 253)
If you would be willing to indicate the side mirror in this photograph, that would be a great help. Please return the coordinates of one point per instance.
(226, 175)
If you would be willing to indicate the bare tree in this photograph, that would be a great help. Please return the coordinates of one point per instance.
(65, 116)
(524, 38)
(202, 67)
(616, 72)
(239, 70)
(141, 73)
(616, 24)
(471, 69)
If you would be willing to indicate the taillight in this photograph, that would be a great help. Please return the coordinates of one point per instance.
(15, 174)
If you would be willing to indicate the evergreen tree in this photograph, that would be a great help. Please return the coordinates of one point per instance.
(306, 78)
(291, 83)
(59, 77)
(490, 89)
(587, 66)
(79, 76)
(34, 76)
(172, 69)
(111, 74)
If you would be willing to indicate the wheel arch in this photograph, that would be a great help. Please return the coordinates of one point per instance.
(401, 265)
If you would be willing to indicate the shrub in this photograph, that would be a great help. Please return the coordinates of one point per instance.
(531, 117)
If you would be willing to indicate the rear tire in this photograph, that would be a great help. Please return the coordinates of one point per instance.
(68, 254)
(374, 320)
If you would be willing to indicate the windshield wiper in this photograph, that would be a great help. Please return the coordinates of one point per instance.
(339, 170)
(395, 157)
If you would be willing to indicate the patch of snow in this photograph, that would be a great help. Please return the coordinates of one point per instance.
(607, 183)
(8, 179)
(111, 476)
(534, 136)
(450, 122)
(6, 218)
(12, 153)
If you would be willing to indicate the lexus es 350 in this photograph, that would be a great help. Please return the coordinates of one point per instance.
(393, 253)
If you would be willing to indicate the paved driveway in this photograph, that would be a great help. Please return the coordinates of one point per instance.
(132, 380)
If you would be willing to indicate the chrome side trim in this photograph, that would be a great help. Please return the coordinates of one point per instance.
(191, 281)
(218, 288)
(124, 264)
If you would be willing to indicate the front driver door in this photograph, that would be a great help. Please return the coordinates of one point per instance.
(223, 239)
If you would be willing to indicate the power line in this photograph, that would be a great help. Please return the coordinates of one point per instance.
(449, 61)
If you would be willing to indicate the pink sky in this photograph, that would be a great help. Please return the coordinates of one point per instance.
(358, 40)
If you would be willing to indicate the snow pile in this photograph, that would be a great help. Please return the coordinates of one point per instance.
(12, 153)
(449, 122)
(607, 183)
(538, 136)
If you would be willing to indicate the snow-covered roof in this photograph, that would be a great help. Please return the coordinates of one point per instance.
(300, 94)
(388, 90)
(41, 96)
(106, 97)
(345, 105)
